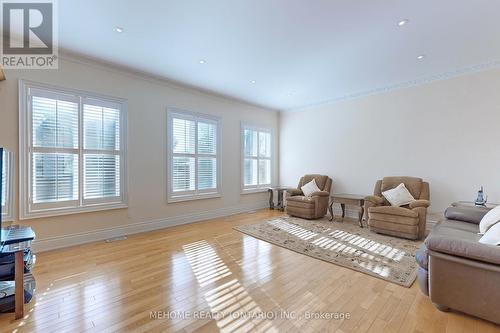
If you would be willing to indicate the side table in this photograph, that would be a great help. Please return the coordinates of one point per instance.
(280, 191)
(350, 200)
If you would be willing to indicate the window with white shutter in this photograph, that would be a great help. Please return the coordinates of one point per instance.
(7, 178)
(193, 156)
(256, 158)
(72, 152)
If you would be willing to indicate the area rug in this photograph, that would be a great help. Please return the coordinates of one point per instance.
(344, 244)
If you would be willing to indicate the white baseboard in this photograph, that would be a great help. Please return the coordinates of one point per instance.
(58, 242)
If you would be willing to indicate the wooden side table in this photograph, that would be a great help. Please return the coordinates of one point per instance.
(350, 200)
(280, 191)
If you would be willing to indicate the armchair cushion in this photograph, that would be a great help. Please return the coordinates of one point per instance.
(375, 199)
(419, 203)
(310, 188)
(320, 194)
(398, 196)
(294, 191)
(391, 210)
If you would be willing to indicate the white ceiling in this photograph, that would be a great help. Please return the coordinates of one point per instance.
(300, 52)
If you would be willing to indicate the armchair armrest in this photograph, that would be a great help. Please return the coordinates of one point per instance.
(419, 203)
(376, 200)
(293, 192)
(320, 194)
(467, 249)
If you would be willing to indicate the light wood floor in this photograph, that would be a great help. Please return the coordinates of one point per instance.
(207, 266)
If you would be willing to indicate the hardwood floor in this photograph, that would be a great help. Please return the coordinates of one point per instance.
(187, 271)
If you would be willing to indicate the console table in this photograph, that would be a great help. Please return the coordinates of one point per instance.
(280, 191)
(18, 249)
(350, 200)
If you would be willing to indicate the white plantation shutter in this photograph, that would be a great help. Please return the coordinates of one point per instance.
(101, 151)
(54, 158)
(193, 155)
(73, 151)
(257, 155)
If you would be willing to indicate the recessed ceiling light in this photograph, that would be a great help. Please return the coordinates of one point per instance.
(403, 22)
(253, 82)
(118, 29)
(202, 61)
(421, 57)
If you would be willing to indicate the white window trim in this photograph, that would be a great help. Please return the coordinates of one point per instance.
(8, 215)
(255, 188)
(26, 210)
(197, 195)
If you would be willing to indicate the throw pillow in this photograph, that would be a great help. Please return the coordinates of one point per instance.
(492, 236)
(398, 196)
(310, 188)
(490, 219)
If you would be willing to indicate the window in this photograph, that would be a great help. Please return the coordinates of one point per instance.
(257, 158)
(193, 156)
(7, 176)
(72, 151)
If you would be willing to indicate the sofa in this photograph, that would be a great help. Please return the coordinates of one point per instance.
(310, 207)
(456, 271)
(406, 221)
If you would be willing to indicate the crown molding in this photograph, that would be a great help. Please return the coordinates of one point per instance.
(403, 85)
(101, 64)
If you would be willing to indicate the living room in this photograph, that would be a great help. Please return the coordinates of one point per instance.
(319, 166)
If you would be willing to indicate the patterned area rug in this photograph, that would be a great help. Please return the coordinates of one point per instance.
(342, 243)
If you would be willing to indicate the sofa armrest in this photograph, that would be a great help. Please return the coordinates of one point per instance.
(293, 192)
(376, 200)
(419, 203)
(464, 248)
(320, 194)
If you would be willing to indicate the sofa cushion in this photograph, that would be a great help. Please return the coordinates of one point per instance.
(462, 244)
(443, 226)
(489, 220)
(390, 210)
(301, 201)
(466, 214)
(492, 236)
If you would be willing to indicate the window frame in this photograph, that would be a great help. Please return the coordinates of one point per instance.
(246, 189)
(30, 210)
(172, 197)
(8, 215)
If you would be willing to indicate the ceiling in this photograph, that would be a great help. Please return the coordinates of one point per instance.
(298, 52)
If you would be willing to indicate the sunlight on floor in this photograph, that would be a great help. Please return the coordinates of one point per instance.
(235, 309)
(293, 229)
(341, 241)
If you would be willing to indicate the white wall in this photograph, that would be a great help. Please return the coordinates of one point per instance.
(147, 103)
(447, 132)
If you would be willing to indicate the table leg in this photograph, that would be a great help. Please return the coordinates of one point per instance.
(330, 208)
(362, 213)
(19, 281)
(280, 200)
(271, 199)
(343, 210)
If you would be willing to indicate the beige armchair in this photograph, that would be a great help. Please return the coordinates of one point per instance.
(312, 207)
(407, 221)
